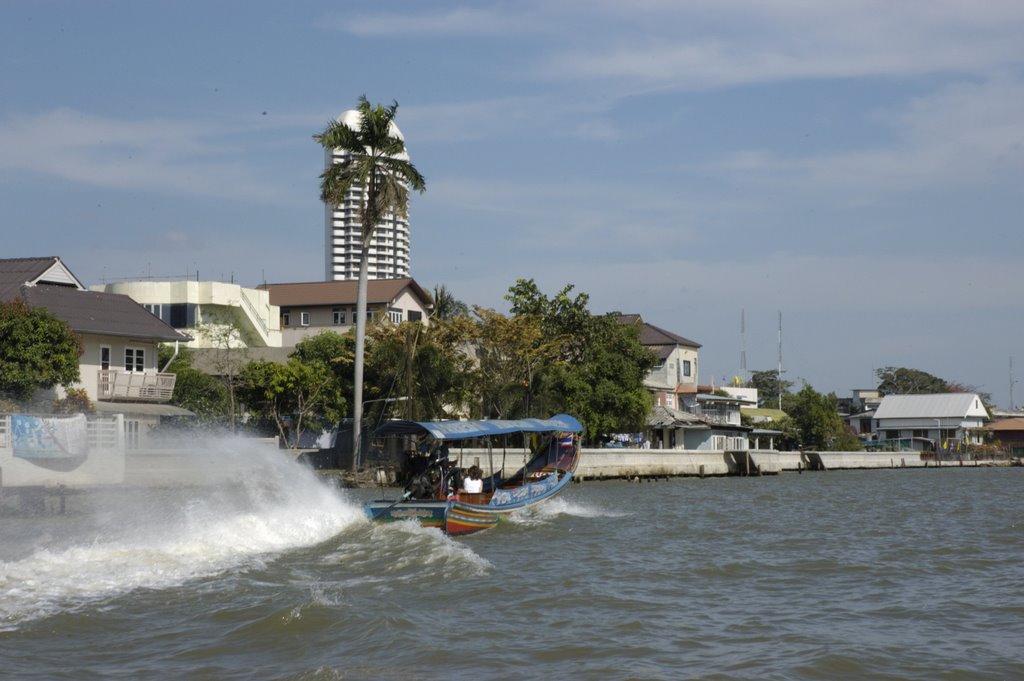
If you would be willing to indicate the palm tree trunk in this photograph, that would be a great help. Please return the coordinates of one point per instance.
(357, 405)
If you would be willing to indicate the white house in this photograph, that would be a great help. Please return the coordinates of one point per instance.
(307, 308)
(118, 367)
(942, 418)
(204, 308)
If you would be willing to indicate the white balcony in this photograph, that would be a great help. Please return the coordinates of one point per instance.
(113, 384)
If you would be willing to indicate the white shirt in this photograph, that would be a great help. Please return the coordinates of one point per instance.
(473, 486)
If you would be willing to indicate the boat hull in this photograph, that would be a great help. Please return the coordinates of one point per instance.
(452, 517)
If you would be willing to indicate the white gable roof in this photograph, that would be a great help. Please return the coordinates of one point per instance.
(944, 405)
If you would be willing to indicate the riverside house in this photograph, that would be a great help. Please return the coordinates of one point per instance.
(118, 368)
(307, 308)
(944, 421)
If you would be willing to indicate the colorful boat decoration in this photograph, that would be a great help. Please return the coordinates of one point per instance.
(433, 496)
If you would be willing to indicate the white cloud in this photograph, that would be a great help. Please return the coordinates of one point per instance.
(460, 20)
(159, 155)
(965, 133)
(721, 44)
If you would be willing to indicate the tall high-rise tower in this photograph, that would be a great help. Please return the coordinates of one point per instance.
(388, 257)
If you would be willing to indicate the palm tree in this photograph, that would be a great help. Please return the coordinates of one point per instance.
(446, 305)
(377, 163)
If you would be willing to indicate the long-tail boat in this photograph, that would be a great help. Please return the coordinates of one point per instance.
(432, 494)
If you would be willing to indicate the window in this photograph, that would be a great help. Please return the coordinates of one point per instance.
(304, 318)
(415, 315)
(395, 315)
(687, 370)
(155, 309)
(178, 315)
(670, 400)
(134, 359)
(339, 316)
(284, 318)
(104, 357)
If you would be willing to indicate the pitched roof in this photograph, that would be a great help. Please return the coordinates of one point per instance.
(664, 417)
(1014, 423)
(16, 272)
(109, 314)
(653, 336)
(378, 291)
(941, 405)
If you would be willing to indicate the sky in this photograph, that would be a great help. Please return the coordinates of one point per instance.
(853, 168)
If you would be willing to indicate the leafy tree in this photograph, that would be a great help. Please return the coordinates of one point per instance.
(817, 422)
(604, 387)
(511, 352)
(37, 351)
(75, 401)
(377, 163)
(902, 381)
(202, 394)
(562, 318)
(446, 305)
(600, 367)
(229, 354)
(769, 387)
(336, 352)
(295, 396)
(428, 364)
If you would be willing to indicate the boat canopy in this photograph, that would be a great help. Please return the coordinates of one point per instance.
(465, 430)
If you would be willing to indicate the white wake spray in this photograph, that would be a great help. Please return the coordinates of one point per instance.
(254, 504)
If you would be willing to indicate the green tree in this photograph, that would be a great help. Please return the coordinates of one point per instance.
(604, 387)
(770, 387)
(202, 394)
(336, 352)
(903, 381)
(376, 163)
(600, 367)
(37, 351)
(296, 396)
(512, 351)
(446, 305)
(817, 421)
(427, 366)
(563, 318)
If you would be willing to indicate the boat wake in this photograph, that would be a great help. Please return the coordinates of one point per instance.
(117, 541)
(562, 506)
(384, 556)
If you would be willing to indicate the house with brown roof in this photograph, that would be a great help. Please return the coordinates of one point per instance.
(673, 382)
(118, 368)
(1008, 433)
(307, 308)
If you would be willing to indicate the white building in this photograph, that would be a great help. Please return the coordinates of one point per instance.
(388, 257)
(941, 418)
(212, 312)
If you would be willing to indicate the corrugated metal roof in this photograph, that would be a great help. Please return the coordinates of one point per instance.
(943, 405)
(664, 417)
(109, 314)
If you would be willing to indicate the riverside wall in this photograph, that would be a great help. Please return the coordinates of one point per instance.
(625, 463)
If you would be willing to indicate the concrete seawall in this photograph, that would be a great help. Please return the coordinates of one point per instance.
(601, 464)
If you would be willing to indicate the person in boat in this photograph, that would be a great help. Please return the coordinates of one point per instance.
(473, 483)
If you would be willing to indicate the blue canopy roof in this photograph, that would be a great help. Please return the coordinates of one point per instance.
(464, 430)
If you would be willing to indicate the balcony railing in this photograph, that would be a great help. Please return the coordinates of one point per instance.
(125, 385)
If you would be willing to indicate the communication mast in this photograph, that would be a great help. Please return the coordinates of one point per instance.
(780, 360)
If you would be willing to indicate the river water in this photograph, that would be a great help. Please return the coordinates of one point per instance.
(894, 574)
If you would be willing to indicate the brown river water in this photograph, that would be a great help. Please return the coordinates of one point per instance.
(273, 574)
